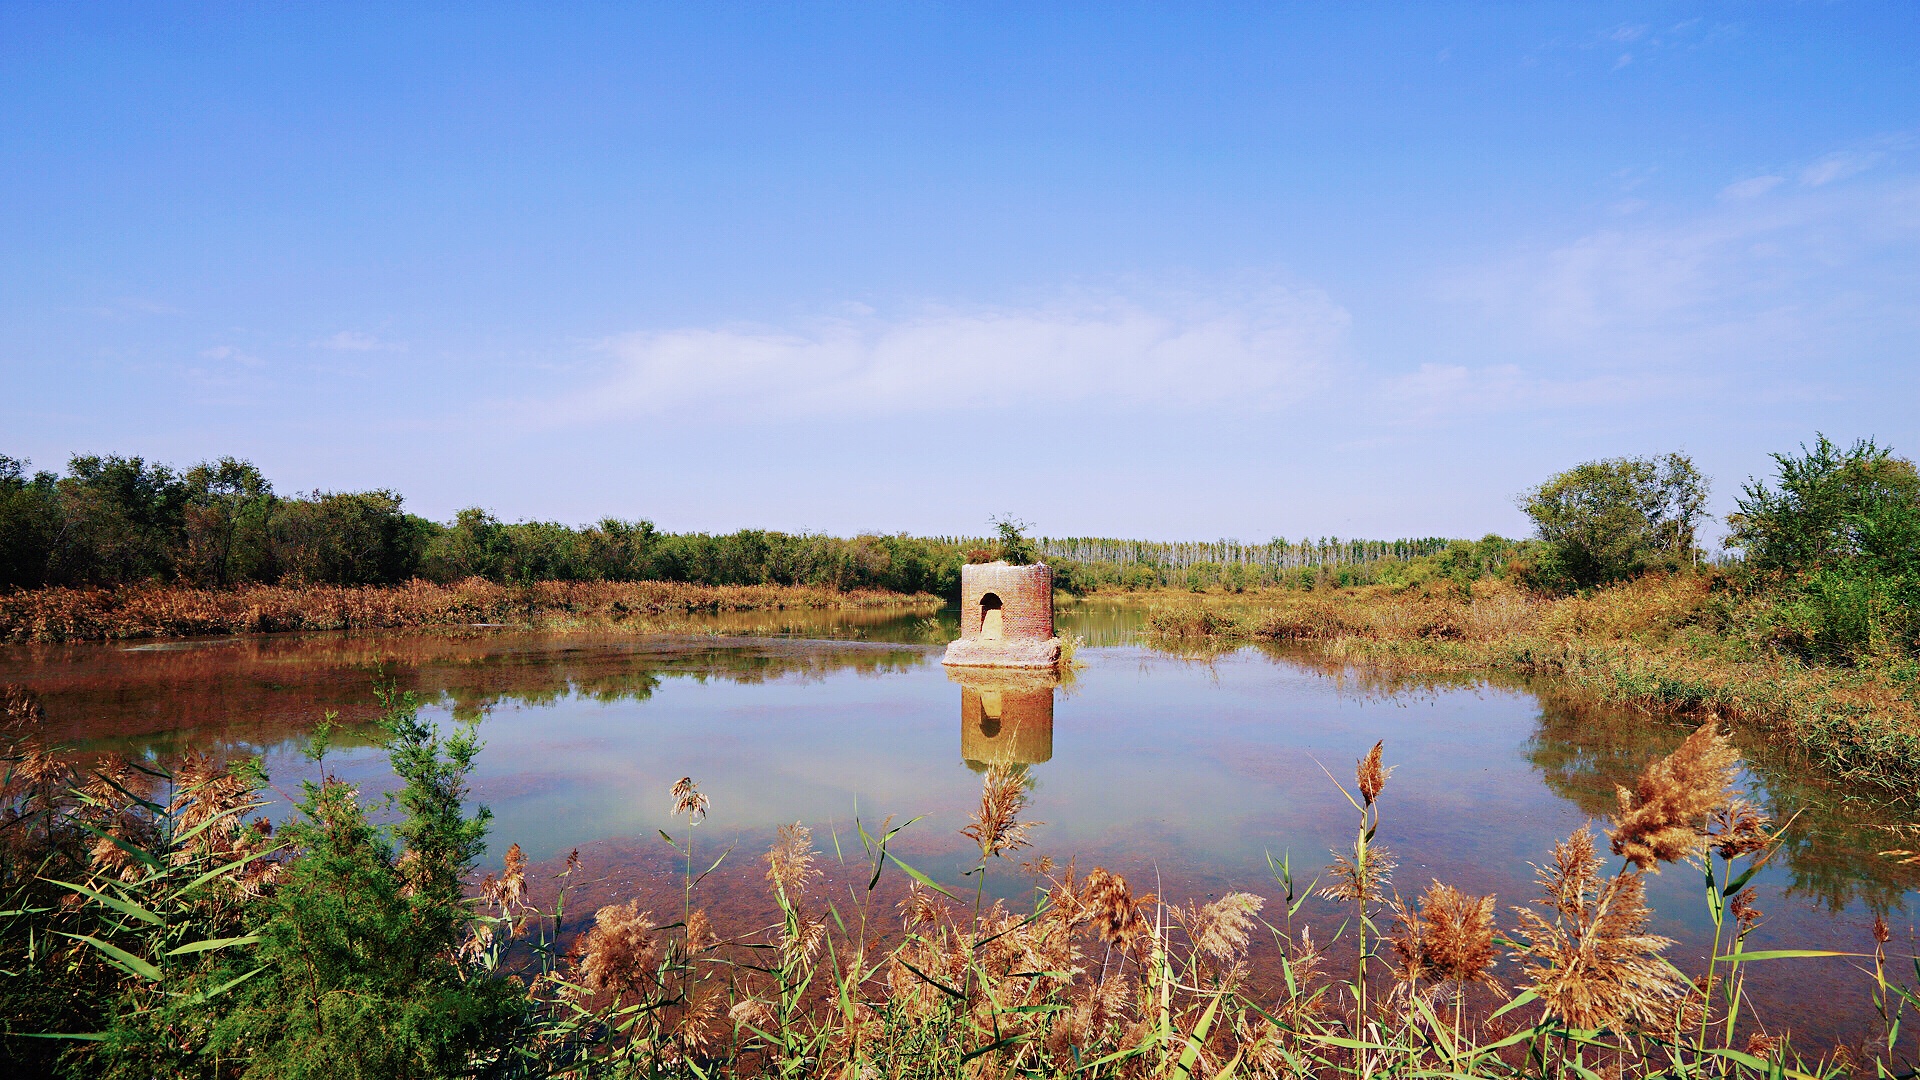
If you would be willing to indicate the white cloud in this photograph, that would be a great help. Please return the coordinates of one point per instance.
(1747, 278)
(1258, 348)
(1748, 300)
(356, 341)
(229, 353)
(1752, 187)
(1455, 390)
(1839, 166)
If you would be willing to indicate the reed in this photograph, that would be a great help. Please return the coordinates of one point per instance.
(1677, 645)
(59, 614)
(172, 903)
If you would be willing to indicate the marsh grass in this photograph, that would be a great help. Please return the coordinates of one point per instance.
(59, 614)
(1673, 645)
(129, 882)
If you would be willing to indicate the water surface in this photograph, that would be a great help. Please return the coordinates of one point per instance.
(1185, 772)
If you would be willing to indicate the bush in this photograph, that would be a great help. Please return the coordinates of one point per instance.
(1836, 546)
(1605, 521)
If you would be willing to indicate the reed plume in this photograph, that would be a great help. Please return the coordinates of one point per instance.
(1595, 965)
(1664, 818)
(1447, 938)
(1738, 828)
(1360, 874)
(1369, 775)
(1221, 929)
(700, 933)
(1112, 909)
(688, 800)
(616, 954)
(790, 860)
(996, 825)
(921, 908)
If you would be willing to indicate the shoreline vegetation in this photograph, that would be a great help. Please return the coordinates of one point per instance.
(156, 928)
(141, 611)
(1682, 645)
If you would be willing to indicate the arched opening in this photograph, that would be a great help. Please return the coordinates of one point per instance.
(992, 704)
(990, 625)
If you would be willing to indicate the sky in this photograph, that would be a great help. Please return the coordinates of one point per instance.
(1170, 271)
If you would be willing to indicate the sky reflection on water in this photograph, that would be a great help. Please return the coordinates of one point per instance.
(1188, 770)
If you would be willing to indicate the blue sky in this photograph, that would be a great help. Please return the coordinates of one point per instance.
(1176, 271)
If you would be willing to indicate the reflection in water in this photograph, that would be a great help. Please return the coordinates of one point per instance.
(1832, 846)
(1006, 716)
(247, 695)
(1197, 763)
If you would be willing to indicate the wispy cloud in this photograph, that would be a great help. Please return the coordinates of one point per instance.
(1749, 277)
(1751, 188)
(357, 341)
(1242, 349)
(1839, 166)
(232, 355)
(1456, 391)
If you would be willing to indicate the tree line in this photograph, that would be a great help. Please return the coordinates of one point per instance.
(1827, 553)
(1833, 541)
(110, 521)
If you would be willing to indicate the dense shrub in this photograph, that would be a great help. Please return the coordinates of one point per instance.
(1836, 545)
(1605, 521)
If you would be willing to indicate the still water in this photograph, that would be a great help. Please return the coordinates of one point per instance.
(1184, 772)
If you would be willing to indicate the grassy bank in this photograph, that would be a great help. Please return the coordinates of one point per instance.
(53, 615)
(1677, 644)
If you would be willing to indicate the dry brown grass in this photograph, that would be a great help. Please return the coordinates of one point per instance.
(53, 615)
(1661, 644)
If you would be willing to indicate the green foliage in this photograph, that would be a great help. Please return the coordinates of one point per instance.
(1605, 521)
(161, 937)
(228, 523)
(349, 538)
(1837, 547)
(1832, 506)
(1014, 545)
(361, 944)
(29, 524)
(121, 517)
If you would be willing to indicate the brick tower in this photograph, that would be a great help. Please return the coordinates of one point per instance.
(1006, 617)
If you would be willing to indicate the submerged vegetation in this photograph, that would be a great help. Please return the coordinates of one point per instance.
(154, 929)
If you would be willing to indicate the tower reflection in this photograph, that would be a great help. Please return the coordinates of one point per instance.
(1006, 717)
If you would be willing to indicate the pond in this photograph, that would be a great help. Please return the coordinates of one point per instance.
(1185, 772)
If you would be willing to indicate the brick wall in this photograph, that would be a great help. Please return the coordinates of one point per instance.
(1026, 599)
(1022, 734)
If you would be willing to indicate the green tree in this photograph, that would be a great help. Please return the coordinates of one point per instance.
(122, 521)
(230, 506)
(1014, 545)
(1836, 546)
(361, 943)
(349, 538)
(1603, 521)
(29, 524)
(1831, 505)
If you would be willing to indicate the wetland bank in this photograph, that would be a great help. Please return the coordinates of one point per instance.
(1168, 858)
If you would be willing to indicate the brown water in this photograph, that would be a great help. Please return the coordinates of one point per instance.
(1186, 772)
